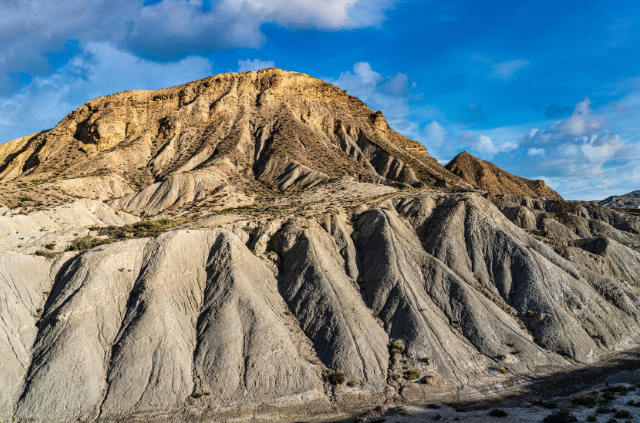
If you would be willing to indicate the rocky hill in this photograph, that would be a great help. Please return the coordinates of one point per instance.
(263, 247)
(270, 129)
(630, 200)
(491, 178)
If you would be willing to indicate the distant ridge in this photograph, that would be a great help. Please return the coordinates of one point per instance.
(631, 199)
(491, 178)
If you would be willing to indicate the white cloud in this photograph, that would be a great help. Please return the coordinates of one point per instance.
(254, 65)
(102, 70)
(167, 30)
(434, 133)
(506, 70)
(535, 152)
(388, 94)
(482, 145)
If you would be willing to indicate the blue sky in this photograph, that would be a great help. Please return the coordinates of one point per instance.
(545, 89)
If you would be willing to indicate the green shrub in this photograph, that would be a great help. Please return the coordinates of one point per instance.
(411, 374)
(87, 242)
(622, 414)
(25, 198)
(142, 229)
(45, 253)
(337, 378)
(50, 246)
(588, 400)
(396, 348)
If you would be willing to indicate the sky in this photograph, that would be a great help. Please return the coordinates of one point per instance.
(544, 89)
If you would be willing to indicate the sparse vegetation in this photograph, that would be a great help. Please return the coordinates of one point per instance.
(411, 374)
(143, 229)
(50, 246)
(395, 348)
(88, 242)
(588, 400)
(337, 378)
(45, 253)
(562, 416)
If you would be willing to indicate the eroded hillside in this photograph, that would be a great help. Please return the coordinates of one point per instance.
(279, 254)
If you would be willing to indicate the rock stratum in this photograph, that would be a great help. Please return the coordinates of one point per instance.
(263, 247)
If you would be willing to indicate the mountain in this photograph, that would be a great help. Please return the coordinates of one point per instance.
(631, 200)
(491, 178)
(270, 129)
(263, 247)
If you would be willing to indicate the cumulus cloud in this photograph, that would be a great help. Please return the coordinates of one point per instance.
(389, 94)
(254, 65)
(169, 30)
(482, 145)
(582, 125)
(434, 133)
(506, 70)
(579, 150)
(100, 70)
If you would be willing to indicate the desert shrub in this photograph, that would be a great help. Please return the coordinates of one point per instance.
(501, 370)
(142, 229)
(45, 253)
(604, 410)
(337, 378)
(588, 400)
(411, 374)
(25, 198)
(425, 360)
(396, 348)
(622, 414)
(498, 412)
(50, 246)
(87, 242)
(592, 418)
(562, 416)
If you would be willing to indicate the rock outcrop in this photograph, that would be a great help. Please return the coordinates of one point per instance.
(491, 178)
